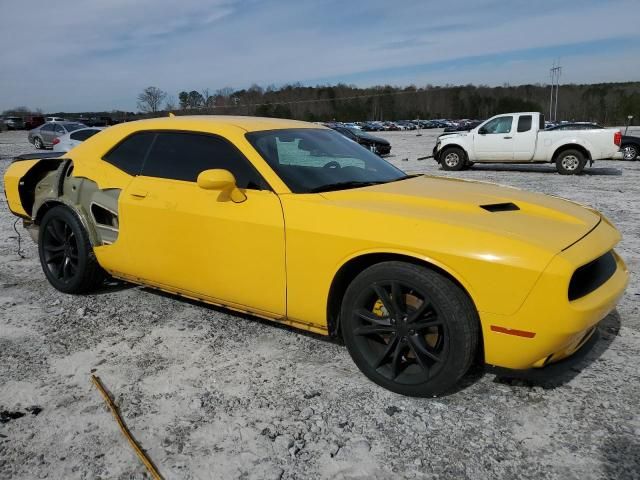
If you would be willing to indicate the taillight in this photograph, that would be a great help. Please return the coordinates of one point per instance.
(617, 138)
(57, 141)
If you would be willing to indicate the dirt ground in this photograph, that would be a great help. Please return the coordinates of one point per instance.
(211, 394)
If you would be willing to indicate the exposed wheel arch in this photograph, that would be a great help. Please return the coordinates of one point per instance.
(350, 269)
(55, 202)
(571, 146)
(44, 208)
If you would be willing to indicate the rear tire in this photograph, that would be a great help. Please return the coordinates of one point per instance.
(452, 159)
(37, 142)
(630, 151)
(409, 329)
(570, 162)
(66, 254)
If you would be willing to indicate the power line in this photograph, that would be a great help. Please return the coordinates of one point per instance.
(555, 71)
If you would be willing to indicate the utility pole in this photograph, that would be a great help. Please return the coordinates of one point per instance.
(555, 72)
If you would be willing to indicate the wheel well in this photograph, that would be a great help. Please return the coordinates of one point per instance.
(580, 148)
(453, 145)
(44, 208)
(353, 267)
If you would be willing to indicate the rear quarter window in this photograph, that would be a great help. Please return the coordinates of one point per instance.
(129, 154)
(82, 135)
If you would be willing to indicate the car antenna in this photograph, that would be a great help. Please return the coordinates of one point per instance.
(171, 115)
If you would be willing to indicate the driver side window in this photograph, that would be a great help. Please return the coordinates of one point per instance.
(499, 125)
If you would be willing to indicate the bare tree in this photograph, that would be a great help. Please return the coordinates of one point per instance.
(150, 100)
(224, 92)
(171, 103)
(207, 98)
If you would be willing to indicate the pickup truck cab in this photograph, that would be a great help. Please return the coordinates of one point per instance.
(521, 138)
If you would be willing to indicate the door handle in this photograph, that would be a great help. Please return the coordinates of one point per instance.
(507, 138)
(138, 193)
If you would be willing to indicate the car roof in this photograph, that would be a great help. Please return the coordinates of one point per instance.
(249, 124)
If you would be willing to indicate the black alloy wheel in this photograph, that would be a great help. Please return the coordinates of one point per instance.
(409, 329)
(400, 332)
(66, 254)
(60, 250)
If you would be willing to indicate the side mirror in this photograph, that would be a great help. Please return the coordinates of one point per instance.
(482, 131)
(223, 180)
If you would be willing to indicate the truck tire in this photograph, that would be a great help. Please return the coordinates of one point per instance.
(452, 159)
(570, 162)
(630, 151)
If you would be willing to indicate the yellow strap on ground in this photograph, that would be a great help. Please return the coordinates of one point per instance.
(125, 431)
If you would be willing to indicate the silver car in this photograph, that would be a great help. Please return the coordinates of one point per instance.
(43, 136)
(70, 140)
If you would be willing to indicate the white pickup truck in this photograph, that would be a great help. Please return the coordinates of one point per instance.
(521, 138)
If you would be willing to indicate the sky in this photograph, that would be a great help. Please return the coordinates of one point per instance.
(92, 55)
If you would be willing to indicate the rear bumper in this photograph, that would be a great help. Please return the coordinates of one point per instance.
(548, 327)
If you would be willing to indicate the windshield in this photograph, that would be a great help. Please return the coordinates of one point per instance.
(314, 160)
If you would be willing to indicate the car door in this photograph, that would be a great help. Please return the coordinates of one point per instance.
(494, 140)
(46, 133)
(177, 235)
(524, 138)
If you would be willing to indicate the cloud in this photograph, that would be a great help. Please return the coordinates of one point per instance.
(99, 55)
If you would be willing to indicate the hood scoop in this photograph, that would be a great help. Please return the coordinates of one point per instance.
(500, 207)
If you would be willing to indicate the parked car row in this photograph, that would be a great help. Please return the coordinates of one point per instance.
(377, 145)
(401, 125)
(60, 136)
(30, 122)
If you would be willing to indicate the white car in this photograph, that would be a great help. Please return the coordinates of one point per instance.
(54, 119)
(520, 138)
(66, 142)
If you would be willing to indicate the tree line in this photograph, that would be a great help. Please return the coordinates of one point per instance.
(606, 103)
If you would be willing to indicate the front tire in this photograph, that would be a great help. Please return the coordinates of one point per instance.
(37, 142)
(66, 254)
(630, 152)
(409, 329)
(570, 162)
(452, 159)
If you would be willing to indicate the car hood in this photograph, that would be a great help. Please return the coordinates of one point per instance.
(545, 221)
(458, 133)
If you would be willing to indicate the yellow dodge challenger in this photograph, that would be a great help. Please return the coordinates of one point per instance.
(295, 223)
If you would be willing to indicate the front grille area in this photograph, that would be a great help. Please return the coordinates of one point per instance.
(589, 277)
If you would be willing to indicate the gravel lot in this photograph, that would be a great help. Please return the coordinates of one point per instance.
(211, 394)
